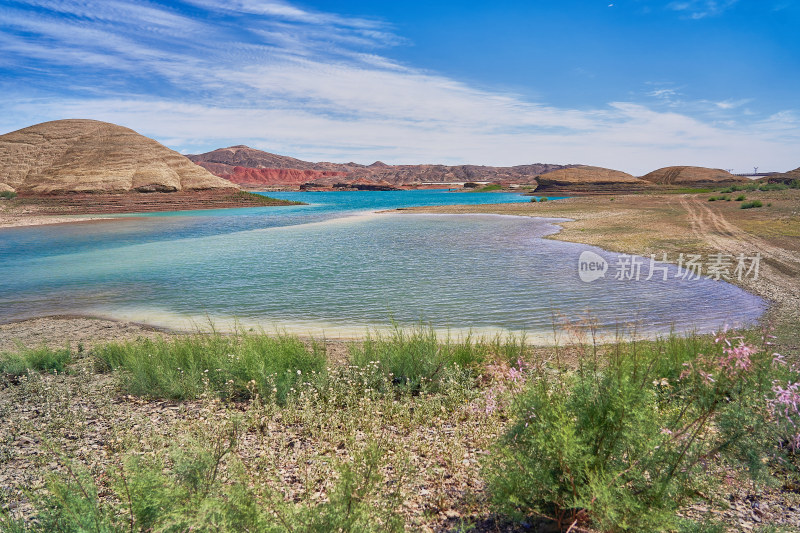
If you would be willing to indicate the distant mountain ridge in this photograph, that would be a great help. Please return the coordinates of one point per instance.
(248, 166)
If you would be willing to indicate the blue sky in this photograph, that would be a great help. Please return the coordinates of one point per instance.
(634, 85)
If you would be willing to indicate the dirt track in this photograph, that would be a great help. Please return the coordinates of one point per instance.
(715, 228)
(779, 267)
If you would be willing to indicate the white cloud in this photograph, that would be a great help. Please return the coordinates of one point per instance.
(312, 85)
(733, 104)
(700, 9)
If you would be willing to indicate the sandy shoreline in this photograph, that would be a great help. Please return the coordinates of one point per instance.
(40, 210)
(24, 219)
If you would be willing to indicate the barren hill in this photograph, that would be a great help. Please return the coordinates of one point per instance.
(244, 156)
(784, 177)
(590, 179)
(693, 177)
(239, 164)
(89, 156)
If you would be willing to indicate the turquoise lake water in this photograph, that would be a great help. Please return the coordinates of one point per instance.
(336, 267)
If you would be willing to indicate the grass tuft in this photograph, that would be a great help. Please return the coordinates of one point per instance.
(232, 366)
(415, 357)
(42, 359)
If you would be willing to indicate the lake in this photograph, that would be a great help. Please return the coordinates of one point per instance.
(336, 267)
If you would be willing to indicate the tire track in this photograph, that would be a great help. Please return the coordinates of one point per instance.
(711, 226)
(779, 271)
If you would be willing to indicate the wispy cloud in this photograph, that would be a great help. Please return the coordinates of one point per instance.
(700, 9)
(322, 86)
(733, 104)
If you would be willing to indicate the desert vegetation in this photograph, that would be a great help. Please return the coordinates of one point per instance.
(763, 187)
(405, 430)
(42, 359)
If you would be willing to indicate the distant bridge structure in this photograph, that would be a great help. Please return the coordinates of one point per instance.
(754, 174)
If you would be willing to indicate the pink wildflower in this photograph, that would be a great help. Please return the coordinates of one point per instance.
(707, 377)
(686, 372)
(517, 373)
(690, 369)
(737, 357)
(723, 336)
(787, 400)
(491, 402)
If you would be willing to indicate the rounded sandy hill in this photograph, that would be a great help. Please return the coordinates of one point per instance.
(89, 156)
(693, 176)
(590, 179)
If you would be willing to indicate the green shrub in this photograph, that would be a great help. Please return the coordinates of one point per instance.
(741, 198)
(42, 359)
(794, 184)
(489, 188)
(752, 204)
(415, 358)
(359, 502)
(735, 188)
(626, 442)
(201, 486)
(72, 505)
(8, 195)
(235, 366)
(712, 199)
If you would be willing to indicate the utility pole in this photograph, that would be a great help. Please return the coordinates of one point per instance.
(755, 170)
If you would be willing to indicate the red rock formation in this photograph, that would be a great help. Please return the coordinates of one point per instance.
(224, 162)
(273, 177)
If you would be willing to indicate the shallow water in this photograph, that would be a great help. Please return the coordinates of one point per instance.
(335, 266)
